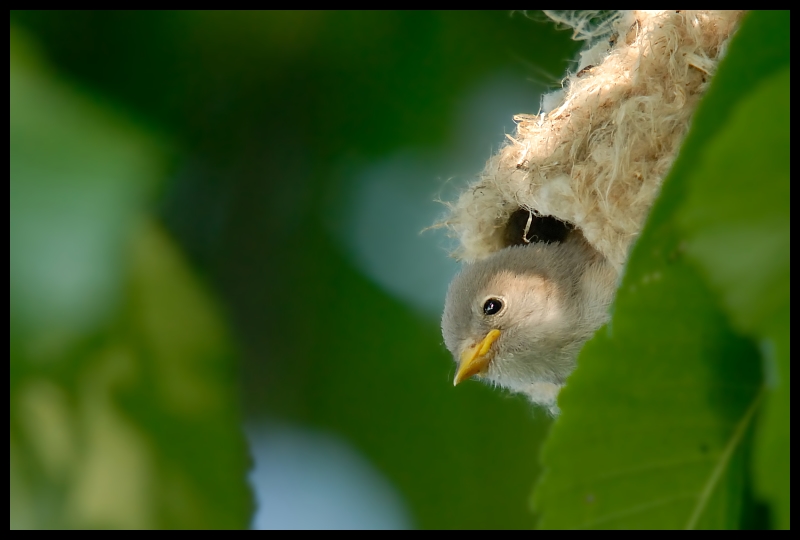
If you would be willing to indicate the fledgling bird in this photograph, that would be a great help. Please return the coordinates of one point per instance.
(519, 317)
(551, 219)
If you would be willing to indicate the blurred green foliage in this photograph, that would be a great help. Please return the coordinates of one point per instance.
(230, 128)
(122, 388)
(155, 154)
(657, 429)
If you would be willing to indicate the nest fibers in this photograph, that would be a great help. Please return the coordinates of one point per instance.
(596, 159)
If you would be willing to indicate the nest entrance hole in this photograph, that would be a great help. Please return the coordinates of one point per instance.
(526, 227)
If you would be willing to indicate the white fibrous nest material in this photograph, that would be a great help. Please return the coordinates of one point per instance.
(597, 157)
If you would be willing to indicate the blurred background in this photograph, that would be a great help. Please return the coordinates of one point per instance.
(223, 310)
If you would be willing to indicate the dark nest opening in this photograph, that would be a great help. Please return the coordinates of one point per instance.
(525, 227)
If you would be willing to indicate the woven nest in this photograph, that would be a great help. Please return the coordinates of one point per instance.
(594, 162)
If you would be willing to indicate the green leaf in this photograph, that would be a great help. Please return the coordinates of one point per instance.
(124, 411)
(741, 243)
(655, 425)
(79, 177)
(185, 400)
(654, 419)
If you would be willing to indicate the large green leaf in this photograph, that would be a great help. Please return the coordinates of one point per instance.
(655, 417)
(741, 242)
(656, 421)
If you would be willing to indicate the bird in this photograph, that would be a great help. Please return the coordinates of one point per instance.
(518, 317)
(547, 226)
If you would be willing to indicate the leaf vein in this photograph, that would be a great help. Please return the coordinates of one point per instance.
(716, 473)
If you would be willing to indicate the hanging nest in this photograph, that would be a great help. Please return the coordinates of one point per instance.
(593, 164)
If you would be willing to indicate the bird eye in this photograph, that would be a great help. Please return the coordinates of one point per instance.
(492, 306)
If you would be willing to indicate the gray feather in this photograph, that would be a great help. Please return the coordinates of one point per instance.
(555, 297)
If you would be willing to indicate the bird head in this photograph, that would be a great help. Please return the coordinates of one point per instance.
(518, 318)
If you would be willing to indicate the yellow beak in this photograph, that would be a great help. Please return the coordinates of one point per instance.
(475, 359)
